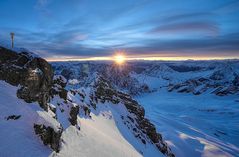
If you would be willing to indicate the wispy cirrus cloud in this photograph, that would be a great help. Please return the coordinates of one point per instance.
(203, 27)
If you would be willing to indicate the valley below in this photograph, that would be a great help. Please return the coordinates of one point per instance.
(204, 125)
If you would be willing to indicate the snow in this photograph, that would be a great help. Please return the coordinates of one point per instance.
(60, 77)
(95, 139)
(203, 125)
(37, 71)
(102, 136)
(62, 117)
(48, 121)
(18, 49)
(152, 82)
(17, 136)
(73, 81)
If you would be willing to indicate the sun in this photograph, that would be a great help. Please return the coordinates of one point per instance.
(119, 58)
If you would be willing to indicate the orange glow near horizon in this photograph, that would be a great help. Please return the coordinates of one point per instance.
(121, 58)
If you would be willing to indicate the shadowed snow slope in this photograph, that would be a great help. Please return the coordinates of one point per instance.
(103, 134)
(17, 137)
(100, 137)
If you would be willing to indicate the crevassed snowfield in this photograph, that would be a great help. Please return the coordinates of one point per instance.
(203, 125)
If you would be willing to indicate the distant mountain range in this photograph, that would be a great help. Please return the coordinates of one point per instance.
(88, 108)
(219, 77)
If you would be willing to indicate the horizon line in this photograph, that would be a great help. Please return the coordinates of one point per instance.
(61, 59)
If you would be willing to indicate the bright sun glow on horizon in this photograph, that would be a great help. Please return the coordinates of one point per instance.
(119, 58)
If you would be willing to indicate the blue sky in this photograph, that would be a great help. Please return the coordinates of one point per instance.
(94, 28)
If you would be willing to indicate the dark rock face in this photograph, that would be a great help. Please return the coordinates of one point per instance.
(49, 136)
(105, 92)
(183, 68)
(236, 81)
(67, 73)
(132, 105)
(73, 115)
(13, 117)
(60, 80)
(86, 110)
(144, 124)
(32, 73)
(220, 91)
(141, 127)
(63, 94)
(200, 85)
(59, 84)
(217, 75)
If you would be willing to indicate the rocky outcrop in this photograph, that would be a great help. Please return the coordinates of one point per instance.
(86, 111)
(60, 80)
(74, 111)
(198, 86)
(49, 136)
(59, 84)
(67, 73)
(13, 117)
(141, 127)
(236, 81)
(33, 74)
(104, 91)
(222, 91)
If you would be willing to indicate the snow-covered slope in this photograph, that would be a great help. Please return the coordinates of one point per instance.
(103, 135)
(17, 136)
(105, 127)
(53, 116)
